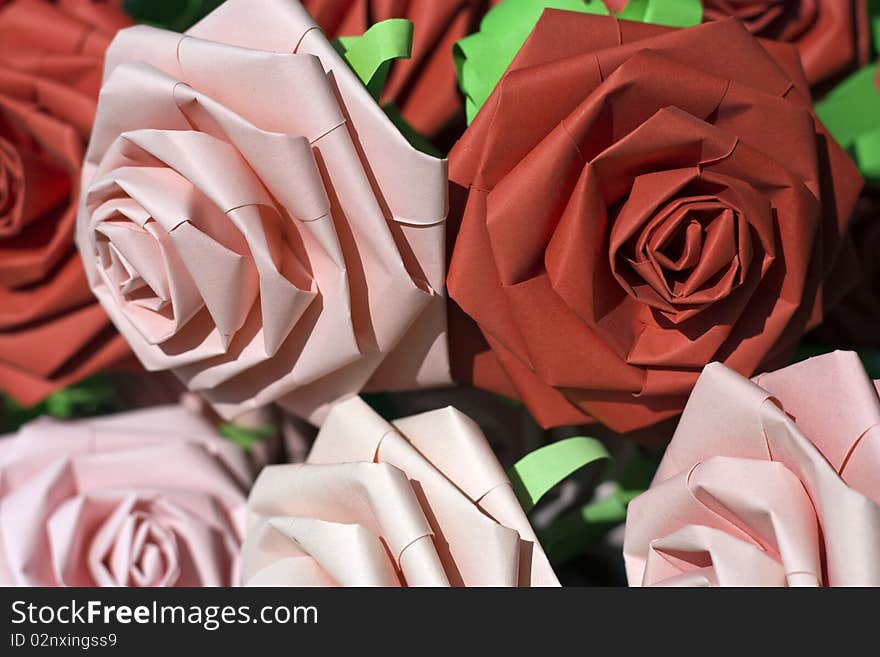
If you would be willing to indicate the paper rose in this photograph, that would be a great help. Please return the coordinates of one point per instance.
(52, 332)
(254, 222)
(482, 57)
(423, 86)
(766, 483)
(421, 503)
(150, 498)
(634, 204)
(832, 36)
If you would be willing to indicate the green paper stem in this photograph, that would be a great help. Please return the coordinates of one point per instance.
(537, 473)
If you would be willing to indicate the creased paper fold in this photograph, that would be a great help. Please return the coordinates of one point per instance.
(769, 482)
(420, 502)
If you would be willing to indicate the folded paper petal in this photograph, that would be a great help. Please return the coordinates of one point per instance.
(766, 483)
(148, 498)
(632, 204)
(420, 502)
(305, 262)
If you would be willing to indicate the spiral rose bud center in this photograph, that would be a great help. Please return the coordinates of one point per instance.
(674, 249)
(138, 244)
(691, 253)
(132, 260)
(144, 552)
(191, 256)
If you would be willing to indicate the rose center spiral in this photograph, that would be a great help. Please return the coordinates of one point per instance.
(137, 253)
(144, 552)
(691, 253)
(130, 255)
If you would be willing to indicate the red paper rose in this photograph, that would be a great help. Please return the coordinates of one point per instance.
(424, 86)
(636, 203)
(832, 36)
(52, 332)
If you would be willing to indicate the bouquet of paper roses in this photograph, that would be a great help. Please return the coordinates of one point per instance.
(439, 293)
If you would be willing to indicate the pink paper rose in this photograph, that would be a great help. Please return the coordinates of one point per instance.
(151, 498)
(770, 482)
(254, 222)
(422, 502)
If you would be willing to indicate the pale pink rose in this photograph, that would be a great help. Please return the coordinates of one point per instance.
(150, 498)
(770, 482)
(422, 502)
(254, 222)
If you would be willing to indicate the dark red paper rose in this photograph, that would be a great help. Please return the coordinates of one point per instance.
(52, 331)
(832, 36)
(424, 87)
(636, 202)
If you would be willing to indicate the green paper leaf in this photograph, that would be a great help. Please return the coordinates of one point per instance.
(177, 15)
(371, 54)
(370, 57)
(245, 437)
(672, 13)
(88, 398)
(482, 58)
(538, 472)
(851, 112)
(575, 532)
